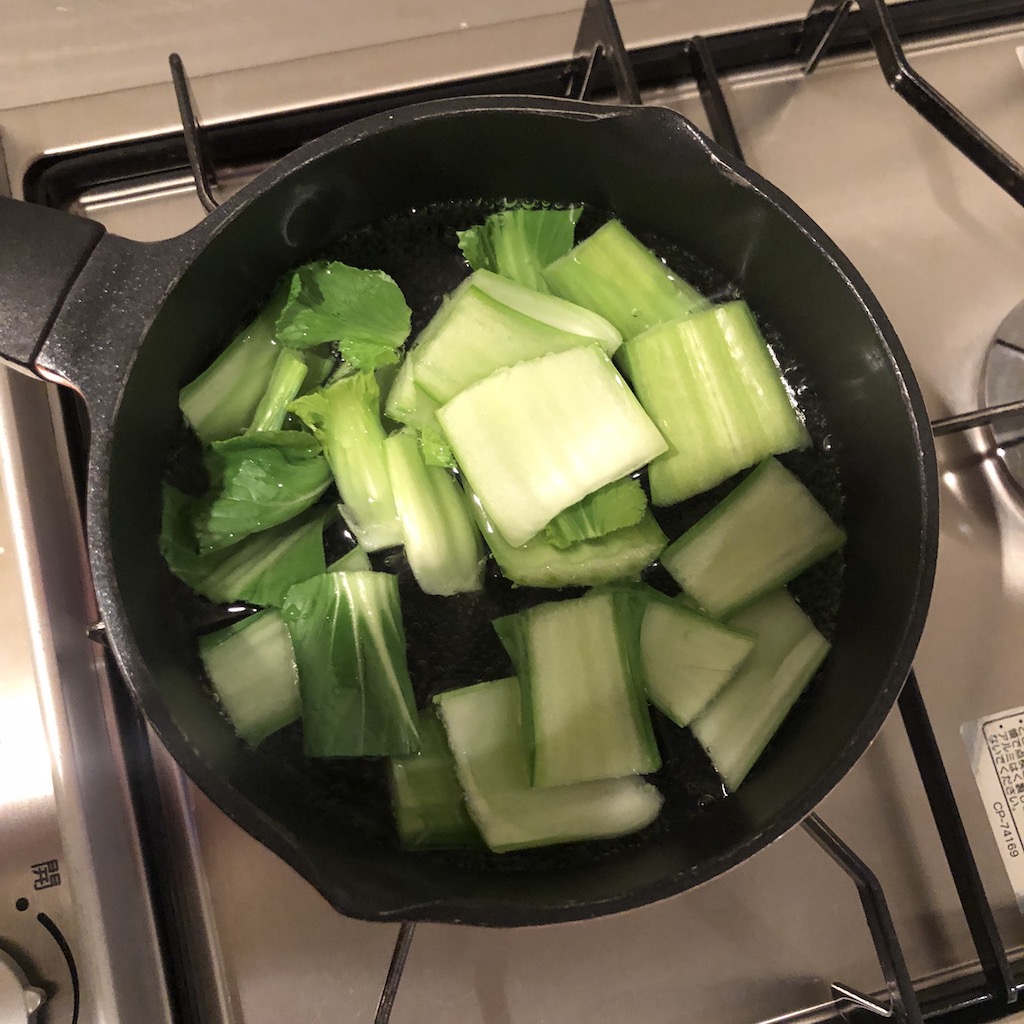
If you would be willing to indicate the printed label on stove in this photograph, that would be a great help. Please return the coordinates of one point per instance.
(47, 874)
(995, 745)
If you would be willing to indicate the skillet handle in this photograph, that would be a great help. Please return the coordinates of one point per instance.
(42, 252)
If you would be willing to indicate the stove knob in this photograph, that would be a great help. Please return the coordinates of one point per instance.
(18, 999)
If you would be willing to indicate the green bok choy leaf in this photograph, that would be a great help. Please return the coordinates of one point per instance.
(364, 311)
(357, 700)
(520, 243)
(257, 481)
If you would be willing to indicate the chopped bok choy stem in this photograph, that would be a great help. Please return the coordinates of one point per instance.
(178, 543)
(221, 401)
(613, 507)
(345, 418)
(430, 810)
(364, 311)
(436, 450)
(441, 540)
(252, 669)
(489, 323)
(285, 383)
(761, 535)
(264, 566)
(739, 722)
(539, 436)
(259, 569)
(550, 309)
(687, 657)
(621, 555)
(357, 700)
(520, 243)
(257, 481)
(710, 384)
(617, 276)
(356, 560)
(384, 375)
(583, 708)
(407, 404)
(486, 737)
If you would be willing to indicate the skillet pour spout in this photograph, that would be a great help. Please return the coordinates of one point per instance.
(127, 324)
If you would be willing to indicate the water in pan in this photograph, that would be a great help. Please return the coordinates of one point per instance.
(451, 641)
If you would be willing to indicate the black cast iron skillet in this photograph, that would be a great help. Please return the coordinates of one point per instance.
(127, 324)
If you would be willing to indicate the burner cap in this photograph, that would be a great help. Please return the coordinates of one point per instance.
(18, 1000)
(1003, 381)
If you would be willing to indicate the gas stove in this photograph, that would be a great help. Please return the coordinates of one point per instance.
(126, 896)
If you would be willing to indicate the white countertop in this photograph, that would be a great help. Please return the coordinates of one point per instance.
(58, 49)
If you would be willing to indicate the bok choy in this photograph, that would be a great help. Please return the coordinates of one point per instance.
(520, 243)
(408, 404)
(221, 401)
(687, 657)
(429, 806)
(485, 733)
(258, 569)
(441, 540)
(738, 723)
(489, 323)
(352, 561)
(257, 481)
(345, 418)
(363, 311)
(539, 436)
(764, 533)
(251, 667)
(510, 439)
(357, 701)
(287, 378)
(711, 385)
(613, 507)
(617, 556)
(616, 275)
(584, 711)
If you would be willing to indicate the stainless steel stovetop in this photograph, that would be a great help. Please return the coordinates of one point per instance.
(943, 249)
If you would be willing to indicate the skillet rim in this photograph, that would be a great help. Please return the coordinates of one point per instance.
(178, 254)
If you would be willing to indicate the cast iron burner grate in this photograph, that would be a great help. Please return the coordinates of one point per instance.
(601, 61)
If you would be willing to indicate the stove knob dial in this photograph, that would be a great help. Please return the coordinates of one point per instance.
(18, 999)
